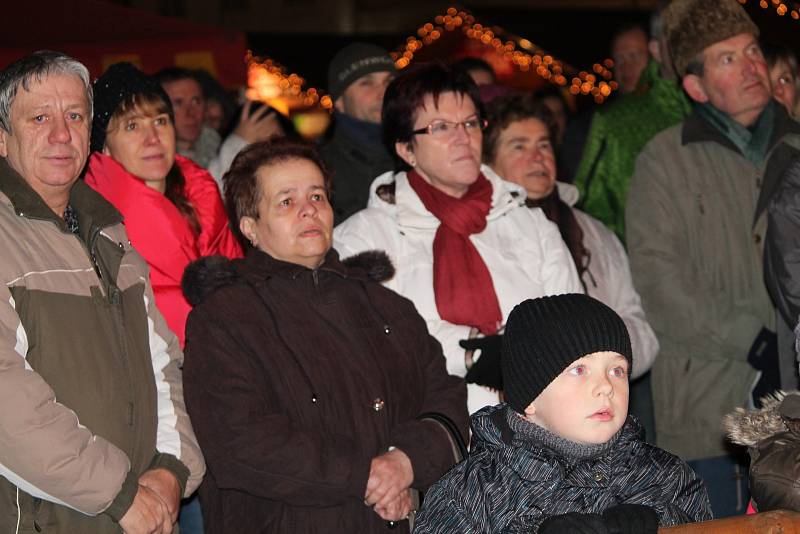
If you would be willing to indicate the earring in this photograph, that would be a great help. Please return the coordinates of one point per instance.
(412, 162)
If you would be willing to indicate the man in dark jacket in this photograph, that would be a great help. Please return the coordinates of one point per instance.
(695, 228)
(563, 455)
(357, 78)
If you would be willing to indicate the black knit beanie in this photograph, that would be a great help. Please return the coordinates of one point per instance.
(118, 82)
(354, 61)
(543, 336)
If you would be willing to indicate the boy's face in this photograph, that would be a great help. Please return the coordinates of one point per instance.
(588, 402)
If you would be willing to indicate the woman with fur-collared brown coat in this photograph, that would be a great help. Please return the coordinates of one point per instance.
(305, 377)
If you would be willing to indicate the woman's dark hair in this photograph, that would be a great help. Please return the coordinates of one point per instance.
(773, 53)
(406, 94)
(242, 190)
(504, 110)
(175, 181)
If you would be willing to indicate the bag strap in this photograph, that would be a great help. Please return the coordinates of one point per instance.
(456, 440)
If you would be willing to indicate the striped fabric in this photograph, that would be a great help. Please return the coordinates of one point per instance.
(511, 485)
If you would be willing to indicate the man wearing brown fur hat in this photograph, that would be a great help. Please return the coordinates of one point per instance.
(695, 223)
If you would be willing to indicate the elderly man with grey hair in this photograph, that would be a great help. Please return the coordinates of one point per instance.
(94, 435)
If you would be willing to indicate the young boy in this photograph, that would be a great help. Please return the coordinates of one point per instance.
(562, 456)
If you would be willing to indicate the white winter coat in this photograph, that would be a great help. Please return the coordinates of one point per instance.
(523, 251)
(608, 279)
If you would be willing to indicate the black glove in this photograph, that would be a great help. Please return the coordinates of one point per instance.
(573, 523)
(486, 371)
(631, 519)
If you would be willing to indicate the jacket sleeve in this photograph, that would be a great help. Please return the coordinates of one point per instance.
(249, 442)
(594, 179)
(230, 147)
(670, 288)
(203, 192)
(684, 497)
(782, 246)
(425, 442)
(623, 298)
(176, 443)
(46, 452)
(443, 514)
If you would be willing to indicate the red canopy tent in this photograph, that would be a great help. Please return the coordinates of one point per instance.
(100, 33)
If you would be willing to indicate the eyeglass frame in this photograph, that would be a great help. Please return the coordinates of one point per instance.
(483, 123)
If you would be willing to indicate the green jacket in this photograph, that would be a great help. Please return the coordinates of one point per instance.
(617, 135)
(695, 244)
(90, 382)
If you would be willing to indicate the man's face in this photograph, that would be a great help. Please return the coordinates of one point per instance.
(49, 139)
(188, 105)
(735, 79)
(630, 55)
(363, 98)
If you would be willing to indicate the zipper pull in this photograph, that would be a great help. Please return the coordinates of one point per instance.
(96, 267)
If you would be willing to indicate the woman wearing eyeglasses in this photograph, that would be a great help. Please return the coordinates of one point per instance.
(465, 247)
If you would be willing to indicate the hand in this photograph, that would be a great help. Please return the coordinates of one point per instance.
(631, 519)
(573, 523)
(166, 486)
(390, 474)
(147, 515)
(261, 125)
(398, 509)
(487, 371)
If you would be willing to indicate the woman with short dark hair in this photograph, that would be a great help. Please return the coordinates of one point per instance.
(305, 378)
(465, 247)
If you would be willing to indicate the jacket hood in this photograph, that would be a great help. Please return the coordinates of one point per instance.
(204, 276)
(748, 427)
(491, 431)
(568, 193)
(391, 192)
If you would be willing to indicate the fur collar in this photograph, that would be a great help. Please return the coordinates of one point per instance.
(749, 427)
(204, 276)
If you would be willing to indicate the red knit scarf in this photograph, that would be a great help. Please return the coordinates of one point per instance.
(462, 284)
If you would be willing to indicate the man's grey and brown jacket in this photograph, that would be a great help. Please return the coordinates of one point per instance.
(90, 382)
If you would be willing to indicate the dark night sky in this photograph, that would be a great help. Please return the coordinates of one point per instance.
(578, 37)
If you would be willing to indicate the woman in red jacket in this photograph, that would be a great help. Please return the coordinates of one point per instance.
(172, 207)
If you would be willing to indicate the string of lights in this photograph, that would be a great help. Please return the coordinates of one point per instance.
(781, 7)
(524, 55)
(269, 81)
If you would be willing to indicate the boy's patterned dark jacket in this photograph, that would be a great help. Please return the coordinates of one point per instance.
(510, 484)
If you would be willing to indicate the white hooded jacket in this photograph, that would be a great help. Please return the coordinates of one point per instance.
(523, 251)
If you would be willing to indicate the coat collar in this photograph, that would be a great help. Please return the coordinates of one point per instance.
(698, 130)
(92, 209)
(259, 266)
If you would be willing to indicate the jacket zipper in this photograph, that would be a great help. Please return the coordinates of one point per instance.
(113, 299)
